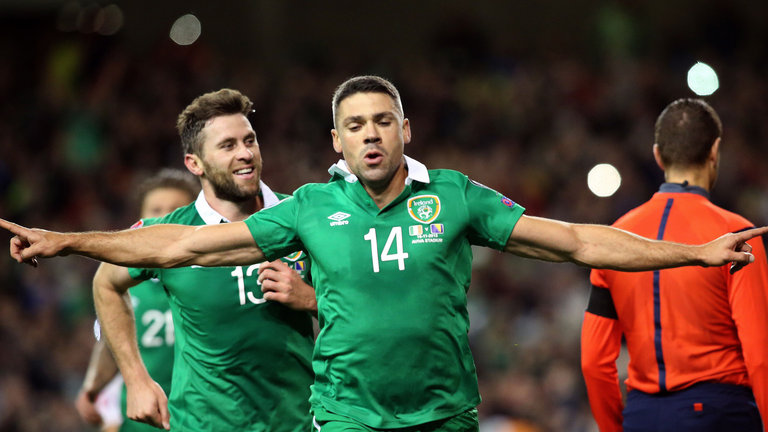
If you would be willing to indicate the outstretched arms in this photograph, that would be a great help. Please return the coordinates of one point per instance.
(601, 246)
(155, 246)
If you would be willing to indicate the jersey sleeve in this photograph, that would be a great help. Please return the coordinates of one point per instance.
(492, 216)
(600, 347)
(275, 229)
(749, 308)
(142, 274)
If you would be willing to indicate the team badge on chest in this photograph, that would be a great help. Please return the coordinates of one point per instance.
(424, 208)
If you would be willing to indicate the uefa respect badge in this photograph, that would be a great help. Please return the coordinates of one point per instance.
(424, 208)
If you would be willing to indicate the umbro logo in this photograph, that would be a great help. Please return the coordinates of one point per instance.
(338, 218)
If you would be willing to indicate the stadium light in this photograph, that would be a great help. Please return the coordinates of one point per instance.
(186, 29)
(603, 180)
(109, 20)
(702, 79)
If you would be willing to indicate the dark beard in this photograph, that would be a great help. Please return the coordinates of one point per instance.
(224, 187)
(230, 192)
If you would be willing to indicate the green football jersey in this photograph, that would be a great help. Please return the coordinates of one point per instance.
(241, 363)
(391, 285)
(154, 332)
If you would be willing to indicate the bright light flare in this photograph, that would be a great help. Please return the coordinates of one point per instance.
(186, 30)
(702, 79)
(603, 180)
(109, 20)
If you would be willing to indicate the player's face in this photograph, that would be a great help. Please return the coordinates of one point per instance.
(371, 133)
(231, 161)
(161, 201)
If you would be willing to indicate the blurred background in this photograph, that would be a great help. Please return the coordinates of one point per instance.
(525, 97)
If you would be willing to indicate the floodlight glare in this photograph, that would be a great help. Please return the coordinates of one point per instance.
(603, 180)
(109, 20)
(702, 79)
(186, 30)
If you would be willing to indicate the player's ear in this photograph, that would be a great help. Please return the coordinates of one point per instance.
(336, 141)
(406, 131)
(714, 153)
(193, 164)
(657, 156)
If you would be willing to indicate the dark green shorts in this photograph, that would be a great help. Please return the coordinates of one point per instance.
(464, 422)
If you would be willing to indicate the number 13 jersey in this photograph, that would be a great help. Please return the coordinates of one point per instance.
(241, 362)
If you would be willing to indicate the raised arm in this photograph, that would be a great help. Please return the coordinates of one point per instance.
(146, 401)
(155, 246)
(600, 246)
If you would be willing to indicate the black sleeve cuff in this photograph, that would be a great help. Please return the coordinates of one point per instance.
(601, 303)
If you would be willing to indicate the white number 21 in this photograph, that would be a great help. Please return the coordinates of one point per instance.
(396, 237)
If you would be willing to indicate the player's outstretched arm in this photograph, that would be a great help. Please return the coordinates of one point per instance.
(601, 246)
(146, 401)
(154, 246)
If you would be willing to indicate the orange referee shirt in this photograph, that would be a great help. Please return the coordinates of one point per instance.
(682, 326)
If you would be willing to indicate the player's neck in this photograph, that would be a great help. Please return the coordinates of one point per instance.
(694, 177)
(234, 211)
(385, 193)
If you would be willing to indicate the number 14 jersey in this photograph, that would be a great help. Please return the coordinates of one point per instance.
(391, 287)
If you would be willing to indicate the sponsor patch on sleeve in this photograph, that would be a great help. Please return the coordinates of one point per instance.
(507, 202)
(504, 200)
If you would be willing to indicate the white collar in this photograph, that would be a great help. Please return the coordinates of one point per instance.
(416, 171)
(212, 217)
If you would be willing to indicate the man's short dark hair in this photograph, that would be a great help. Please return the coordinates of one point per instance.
(685, 132)
(169, 178)
(365, 84)
(192, 120)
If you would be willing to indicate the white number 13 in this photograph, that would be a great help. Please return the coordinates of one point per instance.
(396, 237)
(238, 273)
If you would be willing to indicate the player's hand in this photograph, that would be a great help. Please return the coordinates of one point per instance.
(86, 407)
(29, 244)
(731, 248)
(282, 284)
(147, 403)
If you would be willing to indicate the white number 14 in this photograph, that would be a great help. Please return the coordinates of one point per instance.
(395, 236)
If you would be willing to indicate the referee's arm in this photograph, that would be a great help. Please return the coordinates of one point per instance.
(600, 347)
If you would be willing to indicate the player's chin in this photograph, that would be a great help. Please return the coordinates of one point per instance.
(248, 186)
(378, 174)
(249, 189)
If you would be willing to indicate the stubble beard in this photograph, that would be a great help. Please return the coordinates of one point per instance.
(380, 177)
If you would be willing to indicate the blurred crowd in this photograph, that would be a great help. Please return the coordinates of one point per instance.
(84, 118)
